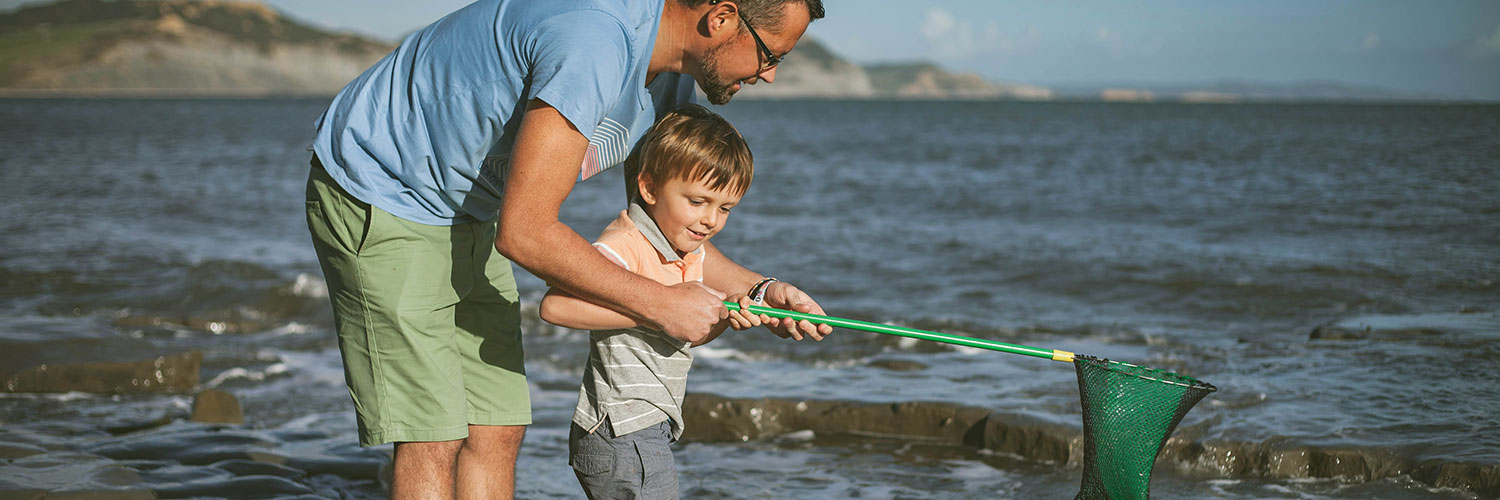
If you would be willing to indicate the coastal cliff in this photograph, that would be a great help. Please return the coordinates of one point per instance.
(239, 48)
(174, 47)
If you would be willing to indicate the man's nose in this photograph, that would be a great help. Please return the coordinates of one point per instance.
(768, 76)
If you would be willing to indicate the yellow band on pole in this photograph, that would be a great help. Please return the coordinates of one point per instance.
(1063, 356)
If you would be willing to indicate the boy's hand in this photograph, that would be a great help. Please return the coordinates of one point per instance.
(743, 319)
(692, 311)
(782, 295)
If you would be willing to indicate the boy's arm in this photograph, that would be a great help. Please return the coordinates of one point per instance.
(544, 166)
(566, 310)
(730, 278)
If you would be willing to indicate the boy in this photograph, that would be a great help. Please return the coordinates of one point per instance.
(692, 168)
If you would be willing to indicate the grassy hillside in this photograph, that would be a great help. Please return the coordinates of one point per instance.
(99, 45)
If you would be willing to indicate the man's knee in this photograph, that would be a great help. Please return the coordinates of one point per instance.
(431, 452)
(501, 439)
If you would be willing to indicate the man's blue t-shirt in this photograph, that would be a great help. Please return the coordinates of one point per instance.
(426, 132)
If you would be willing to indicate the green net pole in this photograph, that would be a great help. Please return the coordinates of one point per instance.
(946, 338)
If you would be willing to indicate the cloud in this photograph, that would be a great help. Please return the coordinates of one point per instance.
(1486, 46)
(948, 37)
(1370, 43)
(952, 38)
(1119, 46)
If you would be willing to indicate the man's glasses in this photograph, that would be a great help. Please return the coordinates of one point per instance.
(771, 59)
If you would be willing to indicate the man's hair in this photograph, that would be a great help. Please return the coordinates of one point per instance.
(692, 143)
(767, 13)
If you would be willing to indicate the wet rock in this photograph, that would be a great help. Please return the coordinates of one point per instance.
(945, 422)
(236, 487)
(195, 446)
(348, 468)
(1481, 479)
(129, 426)
(139, 494)
(1355, 465)
(1277, 459)
(732, 419)
(241, 467)
(1032, 438)
(22, 494)
(69, 475)
(176, 373)
(11, 451)
(214, 406)
(717, 418)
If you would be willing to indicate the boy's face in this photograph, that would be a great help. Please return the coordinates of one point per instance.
(688, 212)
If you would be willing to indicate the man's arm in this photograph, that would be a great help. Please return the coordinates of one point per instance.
(725, 275)
(544, 165)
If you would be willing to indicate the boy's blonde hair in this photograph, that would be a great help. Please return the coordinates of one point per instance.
(692, 143)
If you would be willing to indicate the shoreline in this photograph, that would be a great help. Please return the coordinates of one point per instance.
(260, 94)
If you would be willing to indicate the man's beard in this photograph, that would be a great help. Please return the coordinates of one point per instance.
(713, 85)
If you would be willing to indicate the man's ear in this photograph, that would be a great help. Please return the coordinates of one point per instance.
(721, 14)
(644, 189)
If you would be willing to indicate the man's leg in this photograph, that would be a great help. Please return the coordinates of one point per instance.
(391, 285)
(487, 461)
(499, 399)
(424, 470)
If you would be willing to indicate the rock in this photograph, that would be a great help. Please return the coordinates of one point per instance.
(12, 451)
(138, 494)
(242, 467)
(237, 487)
(176, 373)
(1481, 479)
(214, 406)
(944, 422)
(1032, 438)
(194, 446)
(716, 418)
(70, 475)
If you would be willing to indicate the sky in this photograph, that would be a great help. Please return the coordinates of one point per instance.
(1438, 48)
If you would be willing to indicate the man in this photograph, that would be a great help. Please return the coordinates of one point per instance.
(501, 107)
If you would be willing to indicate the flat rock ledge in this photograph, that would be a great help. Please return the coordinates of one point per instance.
(176, 373)
(713, 418)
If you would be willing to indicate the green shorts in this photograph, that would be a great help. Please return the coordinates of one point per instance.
(428, 319)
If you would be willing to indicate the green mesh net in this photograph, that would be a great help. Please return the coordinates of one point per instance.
(1128, 413)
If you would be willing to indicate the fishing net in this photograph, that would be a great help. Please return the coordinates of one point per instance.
(1128, 413)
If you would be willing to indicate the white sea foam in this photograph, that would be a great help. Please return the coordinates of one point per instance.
(292, 328)
(235, 373)
(711, 352)
(309, 286)
(63, 397)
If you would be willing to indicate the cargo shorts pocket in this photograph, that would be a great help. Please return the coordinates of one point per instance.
(658, 472)
(592, 465)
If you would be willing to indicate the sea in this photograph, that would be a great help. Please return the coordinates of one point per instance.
(1333, 268)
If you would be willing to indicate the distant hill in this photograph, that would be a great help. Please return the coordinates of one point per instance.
(927, 81)
(812, 70)
(174, 47)
(215, 47)
(244, 48)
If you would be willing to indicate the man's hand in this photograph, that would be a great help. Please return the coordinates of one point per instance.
(689, 311)
(785, 296)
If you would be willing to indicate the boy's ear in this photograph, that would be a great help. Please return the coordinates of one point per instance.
(645, 189)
